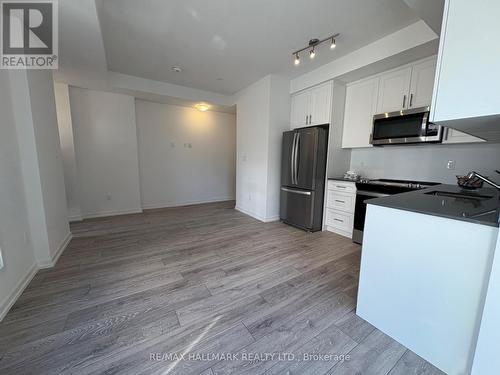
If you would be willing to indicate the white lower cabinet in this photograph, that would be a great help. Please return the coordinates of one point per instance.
(340, 203)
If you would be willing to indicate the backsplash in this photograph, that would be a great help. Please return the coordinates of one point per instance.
(426, 162)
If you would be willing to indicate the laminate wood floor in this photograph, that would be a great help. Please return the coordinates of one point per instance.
(133, 294)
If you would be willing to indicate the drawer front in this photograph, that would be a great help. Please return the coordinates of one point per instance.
(341, 201)
(345, 186)
(340, 220)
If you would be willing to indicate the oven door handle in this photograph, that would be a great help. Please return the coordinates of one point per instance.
(372, 194)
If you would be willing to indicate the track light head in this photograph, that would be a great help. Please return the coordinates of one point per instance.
(333, 44)
(312, 53)
(296, 61)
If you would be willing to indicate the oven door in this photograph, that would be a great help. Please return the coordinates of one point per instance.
(360, 213)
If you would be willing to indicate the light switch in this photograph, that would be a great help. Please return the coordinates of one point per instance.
(451, 165)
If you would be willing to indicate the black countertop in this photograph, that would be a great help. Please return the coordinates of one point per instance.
(341, 179)
(450, 207)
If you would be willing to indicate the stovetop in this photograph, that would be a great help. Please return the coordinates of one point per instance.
(410, 184)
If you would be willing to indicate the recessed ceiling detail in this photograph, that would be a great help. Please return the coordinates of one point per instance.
(239, 40)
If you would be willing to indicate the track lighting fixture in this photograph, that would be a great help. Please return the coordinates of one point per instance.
(312, 47)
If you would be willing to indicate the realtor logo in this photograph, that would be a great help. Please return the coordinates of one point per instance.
(29, 34)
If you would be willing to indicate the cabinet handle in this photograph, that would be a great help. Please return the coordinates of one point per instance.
(411, 99)
(404, 100)
(306, 118)
(339, 220)
(336, 200)
(340, 187)
(310, 119)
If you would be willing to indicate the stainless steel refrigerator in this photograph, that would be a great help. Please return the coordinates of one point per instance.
(303, 170)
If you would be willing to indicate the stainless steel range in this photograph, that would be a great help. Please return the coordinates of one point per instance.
(367, 189)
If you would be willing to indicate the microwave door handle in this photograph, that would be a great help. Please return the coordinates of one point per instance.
(425, 122)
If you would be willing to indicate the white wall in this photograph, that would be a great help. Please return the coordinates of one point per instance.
(43, 110)
(252, 126)
(279, 121)
(171, 172)
(61, 91)
(106, 152)
(427, 163)
(33, 105)
(263, 113)
(18, 256)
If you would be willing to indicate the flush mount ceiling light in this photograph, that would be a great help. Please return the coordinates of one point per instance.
(203, 107)
(312, 47)
(176, 69)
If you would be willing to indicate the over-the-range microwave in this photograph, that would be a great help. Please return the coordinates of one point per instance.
(406, 126)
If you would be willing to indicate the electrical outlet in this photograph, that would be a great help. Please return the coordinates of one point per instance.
(1, 259)
(451, 165)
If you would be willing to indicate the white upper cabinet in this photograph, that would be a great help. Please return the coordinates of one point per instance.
(393, 90)
(360, 106)
(422, 83)
(468, 73)
(408, 87)
(312, 106)
(301, 104)
(321, 104)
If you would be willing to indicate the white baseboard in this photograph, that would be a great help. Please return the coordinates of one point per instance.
(93, 215)
(264, 219)
(18, 290)
(74, 218)
(185, 203)
(58, 253)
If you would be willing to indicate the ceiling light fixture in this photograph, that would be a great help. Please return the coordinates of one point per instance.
(312, 47)
(202, 107)
(296, 61)
(176, 69)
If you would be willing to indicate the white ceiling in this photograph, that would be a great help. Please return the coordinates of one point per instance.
(225, 45)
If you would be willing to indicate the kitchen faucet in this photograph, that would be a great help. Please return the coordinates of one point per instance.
(473, 174)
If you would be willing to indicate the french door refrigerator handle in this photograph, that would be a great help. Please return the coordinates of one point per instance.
(297, 143)
(292, 158)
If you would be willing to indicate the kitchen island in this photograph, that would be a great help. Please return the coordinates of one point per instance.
(425, 266)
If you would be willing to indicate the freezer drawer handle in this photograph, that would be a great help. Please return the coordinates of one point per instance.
(296, 191)
(339, 220)
(341, 187)
(336, 200)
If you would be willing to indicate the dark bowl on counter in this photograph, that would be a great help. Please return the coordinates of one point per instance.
(469, 183)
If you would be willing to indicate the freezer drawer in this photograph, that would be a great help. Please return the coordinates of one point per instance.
(297, 207)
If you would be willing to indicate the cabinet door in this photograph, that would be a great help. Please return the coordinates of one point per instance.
(321, 104)
(393, 91)
(455, 136)
(422, 84)
(301, 103)
(360, 106)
